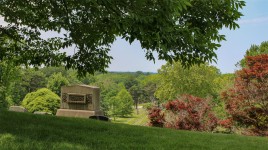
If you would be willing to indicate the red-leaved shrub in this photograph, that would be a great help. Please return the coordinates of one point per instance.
(156, 117)
(226, 123)
(247, 101)
(189, 113)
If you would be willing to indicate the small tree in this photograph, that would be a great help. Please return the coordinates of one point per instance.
(247, 101)
(55, 82)
(42, 100)
(108, 102)
(114, 107)
(119, 105)
(125, 103)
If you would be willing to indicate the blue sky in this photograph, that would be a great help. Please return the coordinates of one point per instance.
(253, 30)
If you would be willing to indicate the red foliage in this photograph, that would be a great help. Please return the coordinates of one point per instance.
(189, 113)
(227, 123)
(247, 102)
(156, 117)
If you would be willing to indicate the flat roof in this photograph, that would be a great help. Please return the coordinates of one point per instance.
(83, 85)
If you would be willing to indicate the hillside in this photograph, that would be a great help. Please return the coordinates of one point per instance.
(28, 131)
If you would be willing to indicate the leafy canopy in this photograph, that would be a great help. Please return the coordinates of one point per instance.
(56, 81)
(175, 81)
(180, 30)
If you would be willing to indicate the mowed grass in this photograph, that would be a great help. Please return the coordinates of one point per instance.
(28, 131)
(140, 119)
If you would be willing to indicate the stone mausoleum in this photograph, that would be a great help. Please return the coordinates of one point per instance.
(80, 101)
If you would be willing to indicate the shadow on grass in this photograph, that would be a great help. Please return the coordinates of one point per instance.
(28, 131)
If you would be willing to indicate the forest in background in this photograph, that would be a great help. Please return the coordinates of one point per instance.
(144, 87)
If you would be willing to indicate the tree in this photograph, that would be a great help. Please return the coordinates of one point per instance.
(254, 50)
(109, 103)
(224, 81)
(42, 100)
(88, 79)
(33, 79)
(119, 103)
(247, 101)
(149, 85)
(55, 82)
(114, 107)
(180, 30)
(137, 94)
(49, 71)
(175, 81)
(109, 89)
(125, 103)
(9, 74)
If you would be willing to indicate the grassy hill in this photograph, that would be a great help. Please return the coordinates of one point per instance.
(28, 131)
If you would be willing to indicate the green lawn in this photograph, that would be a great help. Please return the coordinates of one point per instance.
(140, 119)
(28, 131)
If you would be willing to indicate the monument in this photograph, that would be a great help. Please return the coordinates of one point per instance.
(80, 101)
(17, 109)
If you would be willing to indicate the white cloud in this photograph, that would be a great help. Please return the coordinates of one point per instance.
(259, 20)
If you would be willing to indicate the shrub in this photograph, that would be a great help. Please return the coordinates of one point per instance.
(42, 100)
(156, 117)
(186, 113)
(190, 113)
(247, 101)
(226, 123)
(225, 126)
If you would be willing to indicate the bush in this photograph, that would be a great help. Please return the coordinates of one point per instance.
(186, 113)
(156, 117)
(247, 101)
(225, 126)
(42, 100)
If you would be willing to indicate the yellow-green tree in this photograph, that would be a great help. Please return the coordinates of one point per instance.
(121, 104)
(126, 103)
(176, 81)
